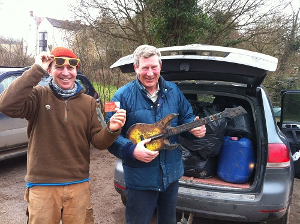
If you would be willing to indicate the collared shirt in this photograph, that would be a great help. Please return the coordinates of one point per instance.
(154, 96)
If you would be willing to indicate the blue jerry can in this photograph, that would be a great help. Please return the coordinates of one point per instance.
(236, 160)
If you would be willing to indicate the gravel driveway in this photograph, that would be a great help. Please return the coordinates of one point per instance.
(108, 208)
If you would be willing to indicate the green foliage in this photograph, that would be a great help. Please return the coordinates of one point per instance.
(221, 29)
(176, 22)
(105, 92)
(291, 107)
(118, 30)
(180, 22)
(275, 84)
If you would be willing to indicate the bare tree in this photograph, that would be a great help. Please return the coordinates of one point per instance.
(286, 47)
(97, 52)
(120, 19)
(13, 54)
(237, 21)
(230, 21)
(116, 27)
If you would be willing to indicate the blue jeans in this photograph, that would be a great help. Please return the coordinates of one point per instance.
(141, 204)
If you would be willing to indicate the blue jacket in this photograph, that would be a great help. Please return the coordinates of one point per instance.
(167, 167)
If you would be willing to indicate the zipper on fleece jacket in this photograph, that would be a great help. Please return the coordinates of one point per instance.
(66, 110)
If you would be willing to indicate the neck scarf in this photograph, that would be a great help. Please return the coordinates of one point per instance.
(64, 93)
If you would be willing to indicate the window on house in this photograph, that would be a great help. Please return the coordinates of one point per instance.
(43, 36)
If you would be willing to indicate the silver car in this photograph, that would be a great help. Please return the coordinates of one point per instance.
(214, 78)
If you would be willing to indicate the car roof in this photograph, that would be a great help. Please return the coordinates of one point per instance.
(4, 69)
(208, 62)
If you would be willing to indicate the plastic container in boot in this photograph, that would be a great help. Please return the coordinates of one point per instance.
(236, 160)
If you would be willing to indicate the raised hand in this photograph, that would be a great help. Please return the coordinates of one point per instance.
(44, 59)
(117, 121)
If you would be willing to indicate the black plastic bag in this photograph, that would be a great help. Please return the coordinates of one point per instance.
(241, 125)
(209, 145)
(196, 166)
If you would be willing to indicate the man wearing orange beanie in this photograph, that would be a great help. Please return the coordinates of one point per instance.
(62, 123)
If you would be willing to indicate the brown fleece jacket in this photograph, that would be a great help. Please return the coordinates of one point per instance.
(59, 131)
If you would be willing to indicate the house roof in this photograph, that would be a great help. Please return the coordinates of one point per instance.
(64, 24)
(4, 40)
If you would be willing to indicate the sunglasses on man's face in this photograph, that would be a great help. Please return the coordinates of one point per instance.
(62, 61)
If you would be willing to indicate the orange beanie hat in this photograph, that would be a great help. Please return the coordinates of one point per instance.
(62, 51)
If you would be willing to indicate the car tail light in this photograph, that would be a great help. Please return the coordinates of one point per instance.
(278, 156)
(273, 211)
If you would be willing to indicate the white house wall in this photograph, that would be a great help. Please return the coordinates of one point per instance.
(56, 36)
(30, 39)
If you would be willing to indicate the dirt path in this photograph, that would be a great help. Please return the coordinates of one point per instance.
(108, 208)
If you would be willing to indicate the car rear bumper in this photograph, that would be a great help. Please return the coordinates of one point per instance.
(270, 204)
(229, 210)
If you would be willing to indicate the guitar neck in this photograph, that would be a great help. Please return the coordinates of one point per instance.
(185, 127)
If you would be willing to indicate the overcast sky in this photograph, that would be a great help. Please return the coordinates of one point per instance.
(14, 14)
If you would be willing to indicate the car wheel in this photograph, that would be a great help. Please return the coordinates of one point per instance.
(123, 198)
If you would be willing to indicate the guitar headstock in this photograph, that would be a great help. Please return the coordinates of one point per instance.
(232, 112)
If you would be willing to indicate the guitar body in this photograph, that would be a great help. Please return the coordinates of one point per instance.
(156, 131)
(161, 130)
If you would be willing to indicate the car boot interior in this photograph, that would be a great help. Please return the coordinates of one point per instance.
(226, 155)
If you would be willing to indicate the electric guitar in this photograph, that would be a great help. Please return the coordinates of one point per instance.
(160, 131)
